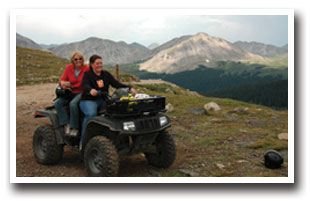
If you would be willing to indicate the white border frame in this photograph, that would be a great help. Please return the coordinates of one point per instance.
(288, 12)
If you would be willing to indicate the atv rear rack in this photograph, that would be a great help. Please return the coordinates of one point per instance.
(123, 108)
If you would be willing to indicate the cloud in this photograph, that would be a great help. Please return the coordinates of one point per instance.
(146, 29)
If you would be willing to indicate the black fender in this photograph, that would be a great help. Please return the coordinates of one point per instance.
(100, 125)
(110, 127)
(52, 115)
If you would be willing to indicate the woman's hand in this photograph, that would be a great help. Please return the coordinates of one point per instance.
(65, 84)
(133, 91)
(93, 92)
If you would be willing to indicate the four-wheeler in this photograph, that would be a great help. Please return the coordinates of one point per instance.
(122, 127)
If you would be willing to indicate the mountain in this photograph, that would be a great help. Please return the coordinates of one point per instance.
(111, 52)
(188, 52)
(261, 49)
(153, 46)
(22, 41)
(169, 44)
(48, 47)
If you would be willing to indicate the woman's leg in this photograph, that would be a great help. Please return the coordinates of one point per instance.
(75, 112)
(89, 108)
(62, 114)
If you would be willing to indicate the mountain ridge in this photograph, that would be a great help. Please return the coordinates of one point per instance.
(22, 41)
(178, 54)
(262, 49)
(111, 52)
(192, 51)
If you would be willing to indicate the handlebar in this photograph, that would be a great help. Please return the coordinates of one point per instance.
(103, 94)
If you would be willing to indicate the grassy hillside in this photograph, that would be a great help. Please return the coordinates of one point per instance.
(230, 142)
(36, 66)
(278, 61)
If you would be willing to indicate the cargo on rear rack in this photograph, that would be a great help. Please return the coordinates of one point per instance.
(138, 106)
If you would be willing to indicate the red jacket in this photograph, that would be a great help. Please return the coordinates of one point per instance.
(75, 83)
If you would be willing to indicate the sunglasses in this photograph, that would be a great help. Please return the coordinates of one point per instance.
(75, 59)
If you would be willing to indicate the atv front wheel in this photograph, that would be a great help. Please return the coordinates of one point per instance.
(165, 151)
(45, 147)
(101, 158)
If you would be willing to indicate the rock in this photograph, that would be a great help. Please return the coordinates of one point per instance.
(257, 123)
(169, 91)
(231, 117)
(169, 107)
(242, 144)
(199, 111)
(241, 110)
(212, 106)
(193, 93)
(242, 161)
(283, 136)
(153, 173)
(220, 165)
(189, 173)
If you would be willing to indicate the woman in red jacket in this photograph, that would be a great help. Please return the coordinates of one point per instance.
(71, 79)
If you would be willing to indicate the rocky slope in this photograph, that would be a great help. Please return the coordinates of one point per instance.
(153, 46)
(191, 51)
(261, 48)
(112, 52)
(22, 41)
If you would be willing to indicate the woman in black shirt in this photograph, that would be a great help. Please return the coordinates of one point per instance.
(95, 80)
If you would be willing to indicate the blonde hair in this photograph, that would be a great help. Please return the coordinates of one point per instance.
(76, 53)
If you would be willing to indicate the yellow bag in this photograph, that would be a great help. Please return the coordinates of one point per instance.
(131, 102)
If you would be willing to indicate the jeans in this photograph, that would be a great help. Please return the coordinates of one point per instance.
(89, 108)
(62, 113)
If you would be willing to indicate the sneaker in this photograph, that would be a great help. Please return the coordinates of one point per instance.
(74, 132)
(67, 129)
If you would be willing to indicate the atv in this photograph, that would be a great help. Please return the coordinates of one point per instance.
(122, 127)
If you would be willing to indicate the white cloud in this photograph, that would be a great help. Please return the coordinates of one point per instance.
(142, 28)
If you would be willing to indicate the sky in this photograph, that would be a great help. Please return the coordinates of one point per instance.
(148, 29)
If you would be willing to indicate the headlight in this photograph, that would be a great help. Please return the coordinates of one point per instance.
(163, 120)
(129, 126)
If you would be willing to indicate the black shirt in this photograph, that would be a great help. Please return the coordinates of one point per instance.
(100, 83)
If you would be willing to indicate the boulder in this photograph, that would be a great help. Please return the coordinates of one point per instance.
(220, 165)
(189, 173)
(169, 107)
(169, 91)
(283, 136)
(212, 106)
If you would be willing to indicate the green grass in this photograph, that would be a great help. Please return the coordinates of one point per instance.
(37, 66)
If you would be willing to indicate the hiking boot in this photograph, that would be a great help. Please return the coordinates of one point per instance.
(74, 132)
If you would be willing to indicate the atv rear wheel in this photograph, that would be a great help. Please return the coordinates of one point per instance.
(165, 151)
(101, 158)
(45, 147)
